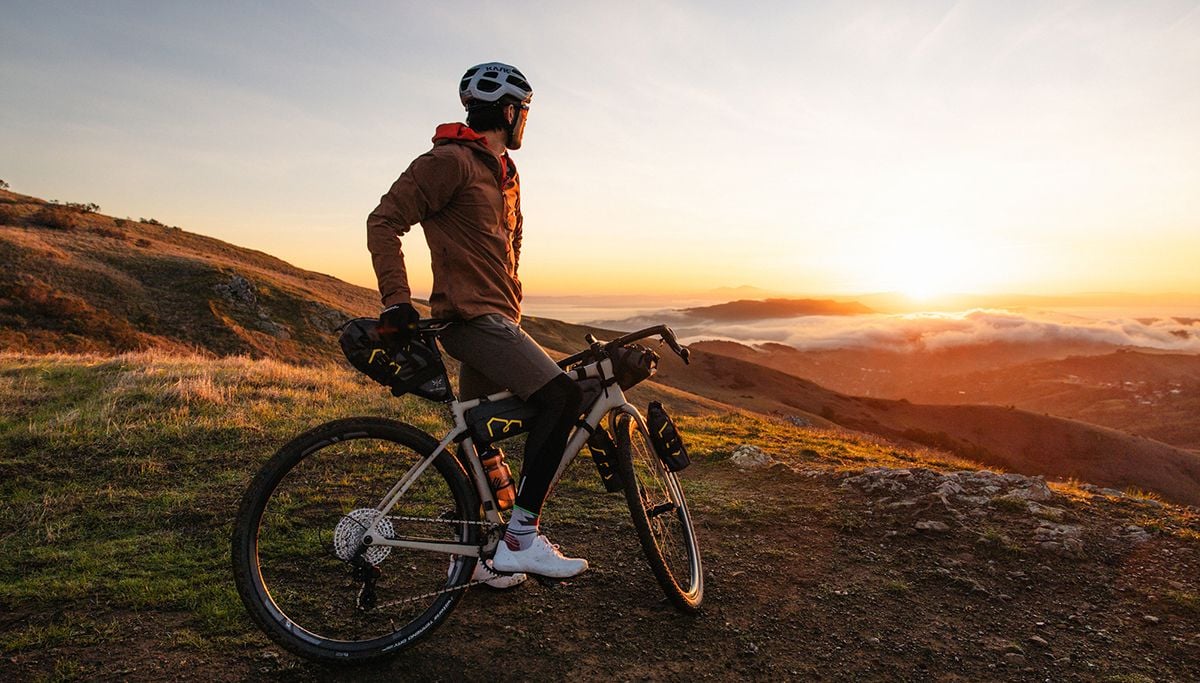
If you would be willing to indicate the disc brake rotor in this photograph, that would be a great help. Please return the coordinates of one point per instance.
(348, 535)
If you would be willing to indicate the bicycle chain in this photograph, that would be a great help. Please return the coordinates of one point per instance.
(439, 520)
(432, 594)
(443, 591)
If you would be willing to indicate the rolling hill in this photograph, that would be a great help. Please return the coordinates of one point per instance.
(1150, 393)
(82, 281)
(1153, 394)
(1015, 440)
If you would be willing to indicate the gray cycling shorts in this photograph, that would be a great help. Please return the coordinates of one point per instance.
(496, 354)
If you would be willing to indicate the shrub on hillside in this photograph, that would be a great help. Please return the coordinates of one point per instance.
(109, 232)
(57, 217)
(77, 206)
(151, 221)
(42, 306)
(9, 214)
(142, 242)
(3, 185)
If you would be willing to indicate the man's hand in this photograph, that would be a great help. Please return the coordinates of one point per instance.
(398, 323)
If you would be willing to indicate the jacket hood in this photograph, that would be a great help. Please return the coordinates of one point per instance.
(456, 132)
(463, 134)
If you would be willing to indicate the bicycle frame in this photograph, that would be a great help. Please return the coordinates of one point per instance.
(611, 399)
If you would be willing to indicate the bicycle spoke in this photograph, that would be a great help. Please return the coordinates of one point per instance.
(656, 501)
(312, 559)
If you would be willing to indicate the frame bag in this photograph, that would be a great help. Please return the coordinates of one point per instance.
(667, 442)
(492, 421)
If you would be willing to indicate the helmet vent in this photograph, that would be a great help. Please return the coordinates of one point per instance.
(491, 82)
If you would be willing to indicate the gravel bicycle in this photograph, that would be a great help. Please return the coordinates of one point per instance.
(359, 537)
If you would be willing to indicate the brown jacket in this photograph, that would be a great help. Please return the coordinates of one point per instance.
(468, 200)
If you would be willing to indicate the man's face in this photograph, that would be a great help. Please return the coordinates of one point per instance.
(519, 113)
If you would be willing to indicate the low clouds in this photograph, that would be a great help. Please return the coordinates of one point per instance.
(932, 331)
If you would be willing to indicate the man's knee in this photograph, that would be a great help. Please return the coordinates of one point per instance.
(559, 394)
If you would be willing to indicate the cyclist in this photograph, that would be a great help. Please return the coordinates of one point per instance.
(466, 194)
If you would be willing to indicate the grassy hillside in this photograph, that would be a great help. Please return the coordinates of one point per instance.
(79, 281)
(120, 477)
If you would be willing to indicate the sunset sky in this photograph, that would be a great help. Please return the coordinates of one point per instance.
(813, 148)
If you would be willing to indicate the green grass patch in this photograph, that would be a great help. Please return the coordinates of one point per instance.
(1187, 601)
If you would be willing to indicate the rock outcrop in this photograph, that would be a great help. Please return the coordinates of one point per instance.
(943, 502)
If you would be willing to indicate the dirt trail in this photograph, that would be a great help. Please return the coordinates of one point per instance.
(807, 579)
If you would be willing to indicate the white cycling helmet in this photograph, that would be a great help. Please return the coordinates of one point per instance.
(487, 83)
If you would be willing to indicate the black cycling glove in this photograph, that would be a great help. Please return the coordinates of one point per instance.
(398, 323)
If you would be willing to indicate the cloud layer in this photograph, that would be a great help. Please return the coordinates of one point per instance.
(932, 331)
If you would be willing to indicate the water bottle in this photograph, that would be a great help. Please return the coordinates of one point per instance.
(499, 477)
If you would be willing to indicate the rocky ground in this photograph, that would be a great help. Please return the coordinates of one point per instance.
(816, 569)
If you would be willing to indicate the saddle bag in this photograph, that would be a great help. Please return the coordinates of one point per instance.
(667, 442)
(417, 368)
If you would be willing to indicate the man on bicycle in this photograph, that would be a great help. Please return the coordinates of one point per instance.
(466, 194)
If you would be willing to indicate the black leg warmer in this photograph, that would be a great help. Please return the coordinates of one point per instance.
(558, 409)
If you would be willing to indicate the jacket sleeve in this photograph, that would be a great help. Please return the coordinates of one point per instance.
(425, 188)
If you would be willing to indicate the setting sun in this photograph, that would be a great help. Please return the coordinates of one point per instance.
(923, 267)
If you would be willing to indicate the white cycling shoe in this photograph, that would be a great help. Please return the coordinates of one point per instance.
(541, 558)
(491, 579)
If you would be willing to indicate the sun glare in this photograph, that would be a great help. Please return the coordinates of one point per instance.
(924, 267)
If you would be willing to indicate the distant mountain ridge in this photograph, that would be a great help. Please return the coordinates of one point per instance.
(760, 309)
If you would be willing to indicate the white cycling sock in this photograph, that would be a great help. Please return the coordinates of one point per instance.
(522, 529)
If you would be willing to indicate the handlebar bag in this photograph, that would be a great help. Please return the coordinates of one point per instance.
(632, 364)
(667, 442)
(416, 368)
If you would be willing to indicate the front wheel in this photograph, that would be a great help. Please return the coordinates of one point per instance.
(301, 561)
(660, 514)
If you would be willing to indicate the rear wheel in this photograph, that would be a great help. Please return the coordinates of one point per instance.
(660, 515)
(300, 562)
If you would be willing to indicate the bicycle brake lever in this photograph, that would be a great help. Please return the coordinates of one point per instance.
(681, 351)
